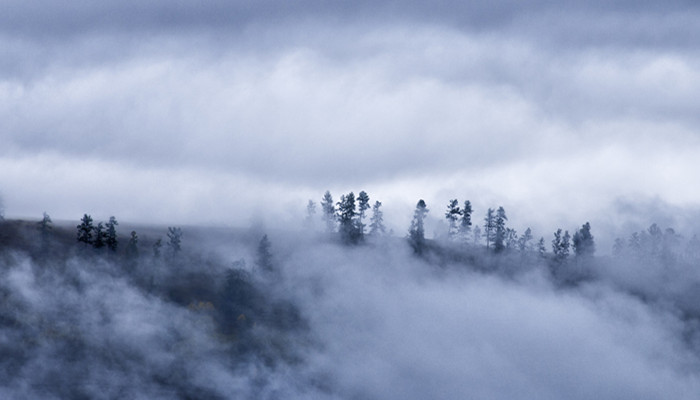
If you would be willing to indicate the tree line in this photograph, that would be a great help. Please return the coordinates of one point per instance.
(346, 218)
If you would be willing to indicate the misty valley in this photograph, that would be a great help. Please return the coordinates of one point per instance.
(340, 307)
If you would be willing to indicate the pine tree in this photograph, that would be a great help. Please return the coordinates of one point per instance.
(264, 256)
(100, 236)
(362, 207)
(45, 225)
(376, 225)
(111, 236)
(453, 215)
(416, 232)
(584, 247)
(560, 246)
(85, 230)
(328, 208)
(500, 230)
(466, 220)
(346, 214)
(489, 225)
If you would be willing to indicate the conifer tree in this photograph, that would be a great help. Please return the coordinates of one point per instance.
(416, 232)
(85, 230)
(99, 241)
(263, 258)
(453, 215)
(346, 214)
(362, 207)
(583, 242)
(489, 225)
(466, 220)
(111, 235)
(499, 230)
(560, 246)
(328, 208)
(376, 225)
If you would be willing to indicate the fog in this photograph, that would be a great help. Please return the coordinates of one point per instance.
(314, 317)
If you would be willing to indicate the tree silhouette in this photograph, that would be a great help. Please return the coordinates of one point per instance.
(328, 208)
(584, 247)
(347, 226)
(263, 258)
(500, 230)
(111, 234)
(416, 233)
(465, 222)
(362, 207)
(453, 214)
(376, 225)
(489, 227)
(100, 235)
(85, 230)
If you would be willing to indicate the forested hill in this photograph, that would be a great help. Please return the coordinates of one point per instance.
(101, 309)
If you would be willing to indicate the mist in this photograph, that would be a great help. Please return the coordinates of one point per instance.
(266, 313)
(205, 128)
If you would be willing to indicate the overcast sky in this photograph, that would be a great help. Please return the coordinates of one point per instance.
(183, 112)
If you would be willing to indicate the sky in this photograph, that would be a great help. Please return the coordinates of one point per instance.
(227, 112)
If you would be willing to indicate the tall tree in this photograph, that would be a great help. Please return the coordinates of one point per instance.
(500, 230)
(560, 246)
(328, 208)
(453, 215)
(416, 233)
(584, 247)
(376, 222)
(362, 207)
(263, 258)
(346, 213)
(489, 227)
(466, 220)
(111, 236)
(100, 236)
(85, 229)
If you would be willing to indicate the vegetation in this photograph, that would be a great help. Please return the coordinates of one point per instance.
(246, 308)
